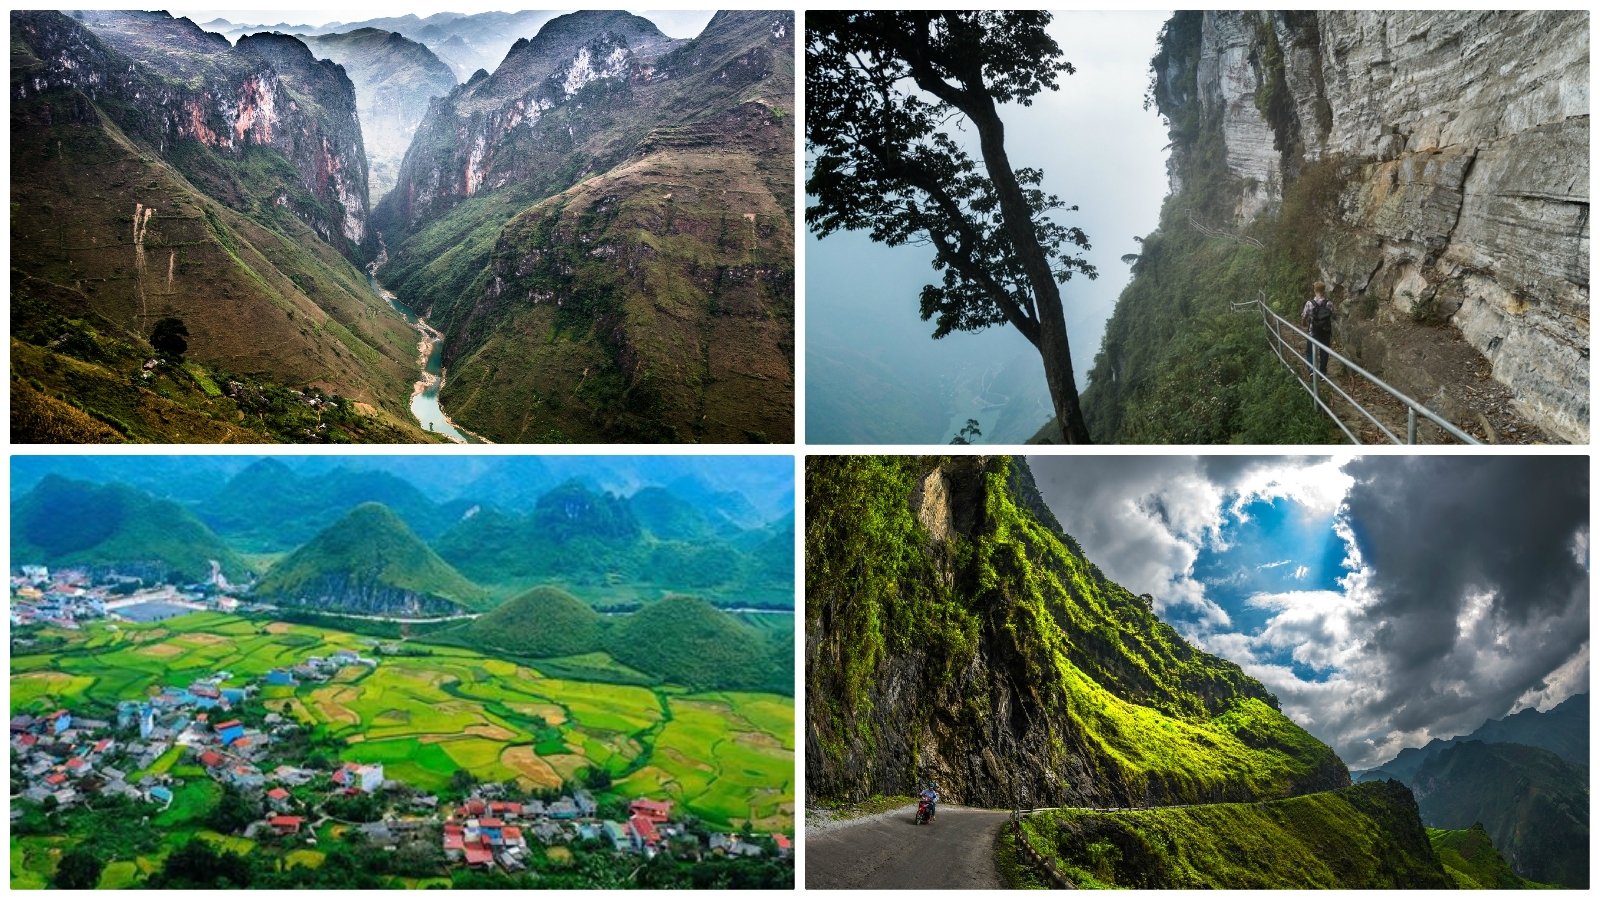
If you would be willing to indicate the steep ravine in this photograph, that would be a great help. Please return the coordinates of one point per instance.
(954, 633)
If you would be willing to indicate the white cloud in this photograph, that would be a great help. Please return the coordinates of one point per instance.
(1274, 565)
(1300, 573)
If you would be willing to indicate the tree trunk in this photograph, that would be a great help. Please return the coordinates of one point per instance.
(1018, 221)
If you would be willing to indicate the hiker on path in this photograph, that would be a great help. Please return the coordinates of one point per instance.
(1317, 318)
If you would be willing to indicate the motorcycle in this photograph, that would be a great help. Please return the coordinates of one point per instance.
(924, 811)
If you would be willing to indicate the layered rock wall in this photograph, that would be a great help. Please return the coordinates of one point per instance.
(1462, 141)
(165, 81)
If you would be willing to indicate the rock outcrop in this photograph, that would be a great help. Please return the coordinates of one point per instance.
(466, 144)
(1461, 140)
(395, 81)
(954, 634)
(168, 82)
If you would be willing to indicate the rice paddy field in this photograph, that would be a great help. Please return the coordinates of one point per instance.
(728, 758)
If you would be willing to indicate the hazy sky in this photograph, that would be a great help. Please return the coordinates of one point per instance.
(677, 23)
(1386, 600)
(1099, 149)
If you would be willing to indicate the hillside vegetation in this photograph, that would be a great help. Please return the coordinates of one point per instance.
(74, 523)
(1472, 862)
(369, 562)
(1534, 806)
(233, 239)
(679, 640)
(949, 620)
(1361, 837)
(608, 248)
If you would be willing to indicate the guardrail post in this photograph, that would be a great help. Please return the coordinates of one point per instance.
(1411, 424)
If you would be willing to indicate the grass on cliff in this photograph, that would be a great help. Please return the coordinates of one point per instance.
(1472, 862)
(1176, 364)
(1154, 719)
(1363, 837)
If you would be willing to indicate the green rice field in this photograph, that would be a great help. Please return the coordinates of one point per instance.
(727, 758)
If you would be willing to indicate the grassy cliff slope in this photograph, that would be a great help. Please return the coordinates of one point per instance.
(1362, 837)
(954, 631)
(1472, 862)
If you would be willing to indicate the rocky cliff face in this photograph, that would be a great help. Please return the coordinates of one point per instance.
(395, 80)
(361, 596)
(1461, 146)
(955, 634)
(167, 82)
(468, 143)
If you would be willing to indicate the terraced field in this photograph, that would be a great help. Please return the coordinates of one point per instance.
(727, 758)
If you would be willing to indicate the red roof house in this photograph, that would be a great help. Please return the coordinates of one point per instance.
(278, 794)
(285, 824)
(654, 810)
(57, 778)
(479, 856)
(645, 829)
(211, 759)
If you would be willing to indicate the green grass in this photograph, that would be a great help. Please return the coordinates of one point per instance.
(1474, 863)
(727, 756)
(1146, 716)
(1363, 837)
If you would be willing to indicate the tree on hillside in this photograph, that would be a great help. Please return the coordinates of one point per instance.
(884, 162)
(168, 338)
(79, 870)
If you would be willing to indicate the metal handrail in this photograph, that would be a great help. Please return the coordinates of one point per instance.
(1275, 324)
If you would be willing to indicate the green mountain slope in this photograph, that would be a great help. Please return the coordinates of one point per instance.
(395, 79)
(543, 622)
(62, 522)
(1472, 862)
(951, 633)
(605, 238)
(369, 563)
(685, 640)
(1563, 730)
(595, 537)
(1533, 804)
(233, 238)
(1361, 837)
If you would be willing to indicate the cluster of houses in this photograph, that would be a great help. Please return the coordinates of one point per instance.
(484, 832)
(66, 598)
(62, 599)
(317, 668)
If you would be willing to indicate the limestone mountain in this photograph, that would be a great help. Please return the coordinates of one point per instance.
(955, 633)
(1431, 167)
(603, 230)
(395, 79)
(269, 507)
(1534, 806)
(1563, 730)
(159, 172)
(543, 622)
(370, 563)
(113, 527)
(1472, 861)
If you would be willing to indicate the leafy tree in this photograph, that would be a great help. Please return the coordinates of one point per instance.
(78, 870)
(884, 162)
(168, 338)
(197, 864)
(967, 433)
(234, 811)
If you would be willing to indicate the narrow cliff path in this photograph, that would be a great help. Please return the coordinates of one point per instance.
(890, 850)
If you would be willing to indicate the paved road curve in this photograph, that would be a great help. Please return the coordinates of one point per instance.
(891, 851)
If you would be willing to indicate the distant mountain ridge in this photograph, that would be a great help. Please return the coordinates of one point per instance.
(1563, 730)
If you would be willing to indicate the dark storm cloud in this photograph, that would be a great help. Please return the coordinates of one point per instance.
(1470, 600)
(1468, 554)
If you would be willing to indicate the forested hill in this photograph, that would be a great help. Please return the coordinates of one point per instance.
(954, 632)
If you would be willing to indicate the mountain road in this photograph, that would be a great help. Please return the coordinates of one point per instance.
(889, 850)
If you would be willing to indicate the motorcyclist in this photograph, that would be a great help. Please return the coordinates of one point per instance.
(931, 795)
